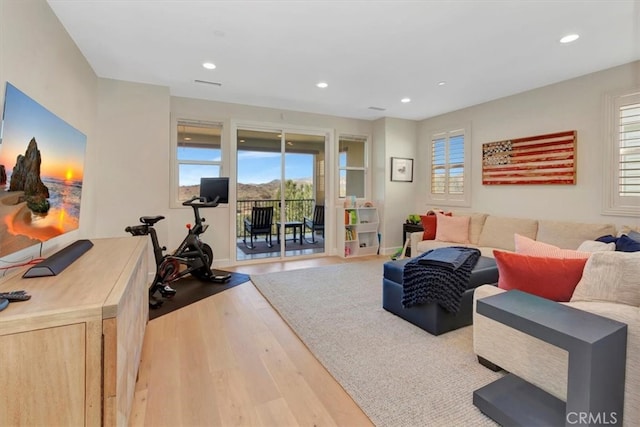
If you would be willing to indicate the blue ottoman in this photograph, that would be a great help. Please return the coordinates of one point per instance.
(432, 317)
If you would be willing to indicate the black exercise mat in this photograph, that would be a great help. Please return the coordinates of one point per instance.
(190, 290)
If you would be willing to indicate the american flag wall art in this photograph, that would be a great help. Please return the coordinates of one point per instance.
(542, 159)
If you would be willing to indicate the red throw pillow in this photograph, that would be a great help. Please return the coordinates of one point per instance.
(429, 224)
(551, 278)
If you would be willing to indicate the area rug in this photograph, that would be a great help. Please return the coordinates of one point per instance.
(190, 290)
(397, 373)
(261, 246)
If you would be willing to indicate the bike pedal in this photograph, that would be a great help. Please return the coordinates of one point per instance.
(167, 291)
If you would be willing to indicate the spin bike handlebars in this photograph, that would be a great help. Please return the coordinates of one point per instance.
(197, 202)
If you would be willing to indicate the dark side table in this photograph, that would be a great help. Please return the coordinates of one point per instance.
(295, 225)
(409, 228)
(597, 348)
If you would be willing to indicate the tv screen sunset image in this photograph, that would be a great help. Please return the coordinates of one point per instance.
(41, 173)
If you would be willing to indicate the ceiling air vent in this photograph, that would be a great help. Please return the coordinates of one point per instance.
(377, 108)
(205, 82)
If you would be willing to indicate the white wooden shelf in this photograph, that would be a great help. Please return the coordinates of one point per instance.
(358, 232)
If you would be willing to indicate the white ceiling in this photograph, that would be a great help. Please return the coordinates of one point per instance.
(371, 53)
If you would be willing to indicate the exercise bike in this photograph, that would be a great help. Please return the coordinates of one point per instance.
(193, 254)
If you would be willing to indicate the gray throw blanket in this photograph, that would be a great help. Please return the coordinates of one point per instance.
(439, 275)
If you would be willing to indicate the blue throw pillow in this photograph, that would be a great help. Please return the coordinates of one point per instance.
(627, 244)
(634, 235)
(607, 239)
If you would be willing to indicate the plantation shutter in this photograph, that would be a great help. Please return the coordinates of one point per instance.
(438, 166)
(447, 163)
(629, 151)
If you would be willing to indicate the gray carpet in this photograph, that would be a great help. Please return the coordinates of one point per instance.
(397, 373)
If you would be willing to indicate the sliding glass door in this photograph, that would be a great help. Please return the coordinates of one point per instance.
(280, 194)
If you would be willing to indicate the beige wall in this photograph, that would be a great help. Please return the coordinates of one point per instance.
(132, 178)
(38, 57)
(574, 104)
(394, 138)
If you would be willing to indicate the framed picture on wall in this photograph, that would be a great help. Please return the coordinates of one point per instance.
(401, 169)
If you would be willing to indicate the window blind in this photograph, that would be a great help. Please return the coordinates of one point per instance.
(629, 151)
(447, 164)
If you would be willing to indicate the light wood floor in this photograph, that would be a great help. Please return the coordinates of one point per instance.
(230, 360)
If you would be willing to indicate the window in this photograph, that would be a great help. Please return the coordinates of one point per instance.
(352, 166)
(198, 154)
(622, 177)
(449, 157)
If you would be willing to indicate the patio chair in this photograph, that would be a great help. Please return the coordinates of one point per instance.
(260, 222)
(314, 224)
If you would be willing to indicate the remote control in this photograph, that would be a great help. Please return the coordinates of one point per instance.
(15, 296)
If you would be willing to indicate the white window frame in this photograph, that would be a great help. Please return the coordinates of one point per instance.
(614, 203)
(175, 163)
(447, 199)
(367, 146)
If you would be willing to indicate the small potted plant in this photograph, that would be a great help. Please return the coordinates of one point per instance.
(413, 219)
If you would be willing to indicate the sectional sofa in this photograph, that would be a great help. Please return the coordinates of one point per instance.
(488, 232)
(609, 287)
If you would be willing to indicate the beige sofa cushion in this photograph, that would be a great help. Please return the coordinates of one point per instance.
(610, 276)
(475, 224)
(569, 235)
(498, 232)
(625, 229)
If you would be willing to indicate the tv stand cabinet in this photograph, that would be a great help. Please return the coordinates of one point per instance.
(70, 354)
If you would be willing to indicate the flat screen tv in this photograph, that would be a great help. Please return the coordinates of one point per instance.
(210, 188)
(41, 173)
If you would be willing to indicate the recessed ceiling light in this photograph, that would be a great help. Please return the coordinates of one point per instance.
(322, 85)
(569, 38)
(209, 65)
(442, 83)
(242, 140)
(405, 100)
(187, 139)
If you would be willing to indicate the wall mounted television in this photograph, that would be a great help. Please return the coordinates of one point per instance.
(210, 188)
(41, 173)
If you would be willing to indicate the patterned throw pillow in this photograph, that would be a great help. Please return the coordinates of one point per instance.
(551, 278)
(527, 246)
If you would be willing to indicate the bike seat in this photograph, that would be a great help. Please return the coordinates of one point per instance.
(150, 220)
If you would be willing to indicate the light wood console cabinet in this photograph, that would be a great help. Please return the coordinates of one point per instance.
(70, 355)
